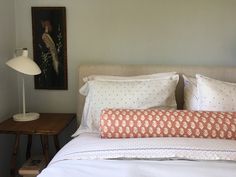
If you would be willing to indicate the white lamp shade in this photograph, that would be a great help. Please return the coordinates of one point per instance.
(24, 64)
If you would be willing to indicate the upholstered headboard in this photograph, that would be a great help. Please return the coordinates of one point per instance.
(221, 73)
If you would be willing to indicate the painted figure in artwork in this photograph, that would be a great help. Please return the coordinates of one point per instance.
(47, 39)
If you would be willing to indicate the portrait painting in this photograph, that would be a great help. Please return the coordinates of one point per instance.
(50, 47)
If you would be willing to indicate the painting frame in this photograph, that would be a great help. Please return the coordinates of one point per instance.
(50, 47)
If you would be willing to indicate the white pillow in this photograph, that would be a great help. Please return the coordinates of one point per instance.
(110, 77)
(130, 94)
(84, 89)
(190, 93)
(215, 95)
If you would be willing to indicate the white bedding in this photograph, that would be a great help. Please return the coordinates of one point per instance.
(90, 156)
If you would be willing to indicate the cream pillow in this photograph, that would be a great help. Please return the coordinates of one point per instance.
(111, 77)
(190, 93)
(84, 89)
(215, 95)
(130, 94)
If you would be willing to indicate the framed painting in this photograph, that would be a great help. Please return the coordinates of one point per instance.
(50, 47)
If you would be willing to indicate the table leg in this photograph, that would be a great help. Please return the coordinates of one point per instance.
(56, 143)
(13, 170)
(29, 144)
(44, 141)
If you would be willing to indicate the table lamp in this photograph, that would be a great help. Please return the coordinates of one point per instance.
(25, 65)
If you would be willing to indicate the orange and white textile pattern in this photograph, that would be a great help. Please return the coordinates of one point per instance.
(128, 123)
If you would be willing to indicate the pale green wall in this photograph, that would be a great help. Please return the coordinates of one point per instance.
(182, 32)
(8, 81)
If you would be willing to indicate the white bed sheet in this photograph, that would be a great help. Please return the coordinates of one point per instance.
(90, 156)
(139, 168)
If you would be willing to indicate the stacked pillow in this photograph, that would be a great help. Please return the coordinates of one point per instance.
(204, 93)
(151, 91)
(136, 92)
(190, 93)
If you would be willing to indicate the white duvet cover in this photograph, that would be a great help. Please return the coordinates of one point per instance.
(90, 156)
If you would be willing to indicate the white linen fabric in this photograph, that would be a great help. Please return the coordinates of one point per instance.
(88, 155)
(91, 146)
(215, 95)
(139, 168)
(129, 94)
(190, 93)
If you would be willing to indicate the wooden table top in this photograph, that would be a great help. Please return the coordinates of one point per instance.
(47, 124)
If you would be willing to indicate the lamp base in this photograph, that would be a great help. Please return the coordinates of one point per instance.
(27, 117)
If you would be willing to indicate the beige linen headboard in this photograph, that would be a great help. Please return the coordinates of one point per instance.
(221, 73)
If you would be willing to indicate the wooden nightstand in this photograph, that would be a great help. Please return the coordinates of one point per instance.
(48, 124)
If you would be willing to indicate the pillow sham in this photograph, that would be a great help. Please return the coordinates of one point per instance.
(111, 77)
(126, 123)
(190, 93)
(132, 94)
(215, 95)
(84, 89)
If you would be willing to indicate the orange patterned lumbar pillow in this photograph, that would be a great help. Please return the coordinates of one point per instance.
(127, 123)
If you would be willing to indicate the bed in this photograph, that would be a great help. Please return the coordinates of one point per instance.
(90, 155)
